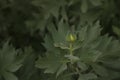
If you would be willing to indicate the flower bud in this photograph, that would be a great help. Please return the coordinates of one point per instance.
(71, 37)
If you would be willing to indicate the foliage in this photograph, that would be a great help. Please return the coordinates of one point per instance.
(59, 40)
(9, 62)
(87, 57)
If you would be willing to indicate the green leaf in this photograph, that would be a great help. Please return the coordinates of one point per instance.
(57, 37)
(63, 29)
(9, 62)
(61, 69)
(96, 2)
(109, 64)
(9, 76)
(82, 66)
(84, 6)
(52, 63)
(100, 70)
(14, 67)
(89, 33)
(89, 76)
(81, 78)
(116, 30)
(90, 56)
(72, 58)
(28, 68)
(8, 53)
(48, 43)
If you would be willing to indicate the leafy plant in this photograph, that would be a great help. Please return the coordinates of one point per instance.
(9, 62)
(59, 40)
(83, 52)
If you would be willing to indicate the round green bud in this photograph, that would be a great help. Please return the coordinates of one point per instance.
(71, 37)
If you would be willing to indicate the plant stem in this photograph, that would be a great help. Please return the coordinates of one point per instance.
(71, 49)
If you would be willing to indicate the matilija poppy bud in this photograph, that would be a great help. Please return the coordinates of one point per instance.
(71, 37)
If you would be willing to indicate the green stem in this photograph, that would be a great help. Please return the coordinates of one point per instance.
(71, 52)
(71, 49)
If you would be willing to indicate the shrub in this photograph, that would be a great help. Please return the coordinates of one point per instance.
(59, 40)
